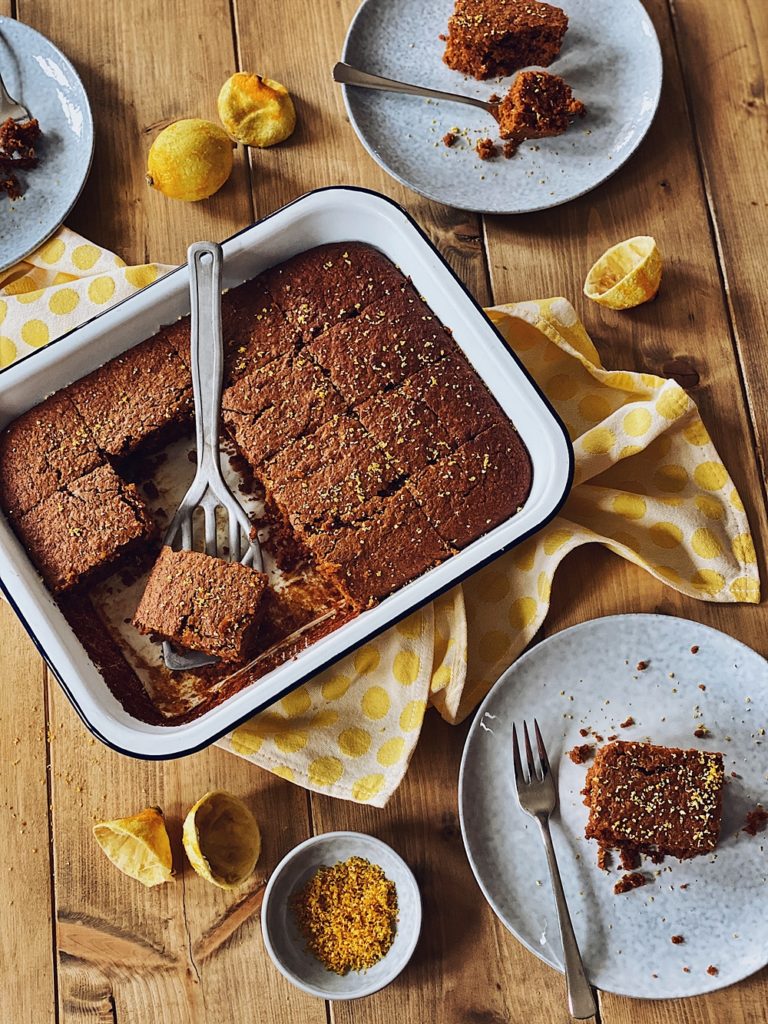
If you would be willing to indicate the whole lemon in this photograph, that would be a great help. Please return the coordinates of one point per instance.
(190, 159)
(256, 111)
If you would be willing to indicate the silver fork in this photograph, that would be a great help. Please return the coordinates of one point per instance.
(208, 490)
(537, 796)
(9, 107)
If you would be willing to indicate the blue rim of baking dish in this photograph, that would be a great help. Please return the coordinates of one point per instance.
(420, 603)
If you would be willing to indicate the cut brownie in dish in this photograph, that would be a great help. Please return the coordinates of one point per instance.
(490, 38)
(254, 327)
(277, 404)
(537, 106)
(390, 340)
(43, 450)
(430, 414)
(662, 801)
(203, 603)
(329, 283)
(85, 527)
(140, 400)
(389, 543)
(467, 493)
(326, 476)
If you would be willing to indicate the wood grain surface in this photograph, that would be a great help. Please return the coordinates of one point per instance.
(81, 943)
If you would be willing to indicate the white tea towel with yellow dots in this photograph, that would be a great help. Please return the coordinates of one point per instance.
(649, 485)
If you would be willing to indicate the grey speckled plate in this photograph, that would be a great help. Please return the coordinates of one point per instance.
(610, 57)
(40, 76)
(586, 677)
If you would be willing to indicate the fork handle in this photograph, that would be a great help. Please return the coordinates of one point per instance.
(345, 74)
(581, 1000)
(205, 261)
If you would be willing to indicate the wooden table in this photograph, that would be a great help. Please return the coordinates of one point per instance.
(78, 941)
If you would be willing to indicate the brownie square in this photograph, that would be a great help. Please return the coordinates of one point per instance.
(255, 328)
(389, 543)
(139, 400)
(43, 450)
(493, 38)
(430, 414)
(277, 404)
(85, 527)
(467, 493)
(203, 603)
(654, 799)
(329, 283)
(389, 341)
(327, 475)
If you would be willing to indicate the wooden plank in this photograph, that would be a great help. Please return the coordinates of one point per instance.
(182, 951)
(725, 62)
(467, 967)
(685, 332)
(145, 64)
(324, 150)
(127, 953)
(27, 969)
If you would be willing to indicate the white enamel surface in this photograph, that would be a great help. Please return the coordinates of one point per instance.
(324, 216)
(41, 78)
(586, 677)
(610, 57)
(284, 942)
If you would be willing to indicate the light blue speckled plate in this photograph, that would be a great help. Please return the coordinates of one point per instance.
(40, 76)
(586, 677)
(610, 57)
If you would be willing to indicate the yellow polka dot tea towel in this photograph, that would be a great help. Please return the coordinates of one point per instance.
(649, 485)
(63, 283)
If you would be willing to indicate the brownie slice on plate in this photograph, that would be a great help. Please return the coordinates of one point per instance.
(658, 800)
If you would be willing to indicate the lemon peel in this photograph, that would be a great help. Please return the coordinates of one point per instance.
(222, 839)
(626, 275)
(190, 160)
(138, 846)
(256, 111)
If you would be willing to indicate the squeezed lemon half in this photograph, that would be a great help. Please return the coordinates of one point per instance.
(222, 839)
(626, 275)
(256, 111)
(138, 846)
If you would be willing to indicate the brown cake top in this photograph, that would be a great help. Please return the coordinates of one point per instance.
(655, 797)
(496, 37)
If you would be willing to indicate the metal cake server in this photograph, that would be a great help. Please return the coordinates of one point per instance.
(345, 74)
(208, 491)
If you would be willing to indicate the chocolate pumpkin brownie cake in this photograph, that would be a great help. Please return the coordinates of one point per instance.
(661, 801)
(537, 106)
(490, 38)
(203, 603)
(378, 449)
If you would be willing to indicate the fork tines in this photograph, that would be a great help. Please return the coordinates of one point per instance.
(535, 774)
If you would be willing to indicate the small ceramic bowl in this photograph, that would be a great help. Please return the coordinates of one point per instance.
(285, 943)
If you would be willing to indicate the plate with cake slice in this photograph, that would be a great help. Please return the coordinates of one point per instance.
(577, 86)
(655, 727)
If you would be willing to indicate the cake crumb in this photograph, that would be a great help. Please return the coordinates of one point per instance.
(713, 970)
(701, 732)
(695, 649)
(629, 882)
(603, 858)
(581, 753)
(756, 821)
(486, 149)
(677, 940)
(449, 139)
(627, 723)
(641, 666)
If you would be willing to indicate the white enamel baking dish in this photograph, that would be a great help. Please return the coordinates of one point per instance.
(327, 215)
